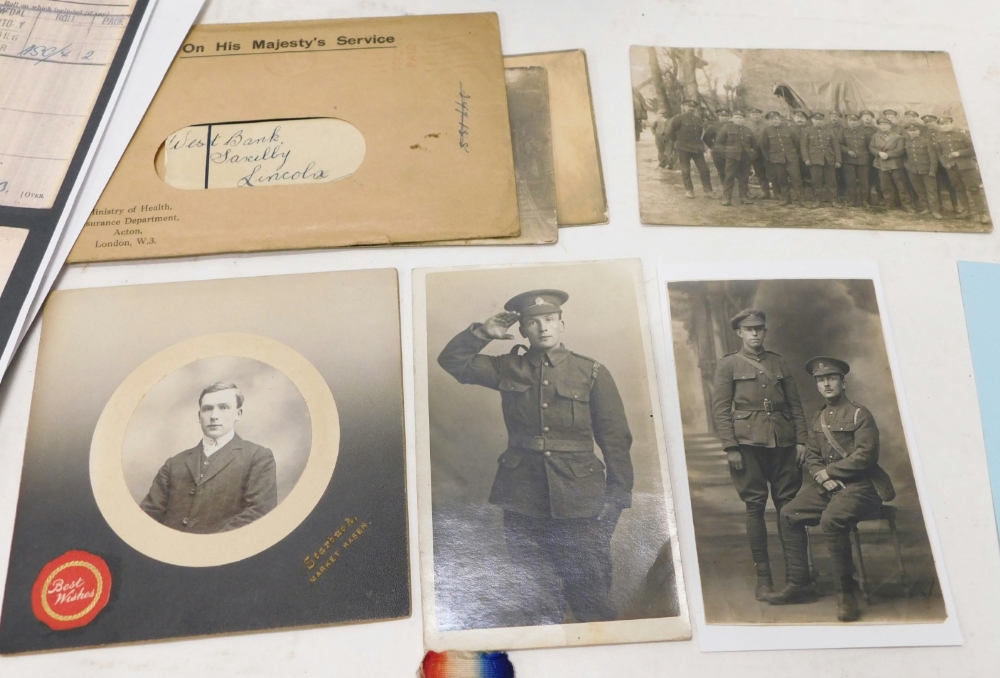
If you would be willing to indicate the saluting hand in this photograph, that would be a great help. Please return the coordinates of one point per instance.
(496, 326)
(735, 459)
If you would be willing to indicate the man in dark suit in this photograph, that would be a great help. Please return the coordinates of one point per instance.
(222, 483)
(560, 502)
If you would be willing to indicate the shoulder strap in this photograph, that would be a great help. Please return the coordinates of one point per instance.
(830, 439)
(757, 366)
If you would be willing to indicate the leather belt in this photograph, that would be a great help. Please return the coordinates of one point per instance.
(767, 408)
(544, 444)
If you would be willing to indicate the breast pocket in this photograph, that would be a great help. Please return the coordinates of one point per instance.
(574, 404)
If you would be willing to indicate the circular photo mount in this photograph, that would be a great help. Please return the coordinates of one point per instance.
(278, 436)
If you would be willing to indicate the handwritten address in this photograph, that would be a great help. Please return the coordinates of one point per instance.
(268, 153)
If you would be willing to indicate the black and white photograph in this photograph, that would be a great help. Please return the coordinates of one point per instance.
(804, 497)
(239, 466)
(216, 444)
(545, 491)
(804, 139)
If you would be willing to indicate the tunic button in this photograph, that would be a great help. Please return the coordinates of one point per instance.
(545, 429)
(545, 382)
(206, 462)
(185, 521)
(545, 406)
(191, 491)
(547, 453)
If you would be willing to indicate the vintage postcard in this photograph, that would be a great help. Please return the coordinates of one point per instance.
(806, 505)
(240, 150)
(580, 194)
(804, 139)
(980, 290)
(545, 514)
(204, 472)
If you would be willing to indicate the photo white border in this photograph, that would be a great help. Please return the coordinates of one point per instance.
(734, 637)
(561, 635)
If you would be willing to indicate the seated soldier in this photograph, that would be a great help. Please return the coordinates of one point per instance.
(847, 485)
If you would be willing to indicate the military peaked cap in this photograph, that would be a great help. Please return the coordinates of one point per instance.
(945, 119)
(852, 116)
(888, 111)
(836, 113)
(772, 115)
(748, 316)
(928, 118)
(867, 112)
(537, 302)
(911, 114)
(739, 113)
(722, 111)
(689, 102)
(818, 116)
(885, 120)
(754, 110)
(823, 365)
(913, 126)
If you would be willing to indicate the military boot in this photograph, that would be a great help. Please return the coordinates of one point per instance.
(847, 606)
(792, 594)
(765, 583)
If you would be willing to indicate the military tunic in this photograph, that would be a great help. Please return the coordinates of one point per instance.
(686, 131)
(855, 430)
(856, 167)
(963, 171)
(550, 483)
(821, 152)
(780, 146)
(891, 174)
(717, 152)
(740, 148)
(921, 162)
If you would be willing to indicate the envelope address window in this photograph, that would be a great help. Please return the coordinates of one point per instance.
(261, 153)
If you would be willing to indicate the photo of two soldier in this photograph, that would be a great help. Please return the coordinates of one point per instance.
(805, 318)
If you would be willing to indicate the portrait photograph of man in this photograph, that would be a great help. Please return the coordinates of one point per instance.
(803, 496)
(223, 478)
(814, 138)
(547, 503)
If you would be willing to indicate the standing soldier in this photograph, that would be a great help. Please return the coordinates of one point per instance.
(664, 149)
(857, 160)
(801, 122)
(888, 149)
(836, 125)
(711, 133)
(846, 485)
(757, 125)
(779, 144)
(944, 183)
(821, 152)
(560, 506)
(868, 122)
(893, 118)
(685, 131)
(921, 164)
(955, 152)
(758, 416)
(740, 147)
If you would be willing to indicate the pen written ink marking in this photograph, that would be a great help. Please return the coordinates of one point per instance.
(463, 112)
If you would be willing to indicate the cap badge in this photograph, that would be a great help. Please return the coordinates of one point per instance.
(539, 301)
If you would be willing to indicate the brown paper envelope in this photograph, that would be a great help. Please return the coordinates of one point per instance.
(580, 196)
(426, 93)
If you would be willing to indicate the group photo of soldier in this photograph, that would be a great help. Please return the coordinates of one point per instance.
(803, 496)
(835, 139)
(550, 500)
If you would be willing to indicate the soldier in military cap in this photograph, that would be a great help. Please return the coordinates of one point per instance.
(560, 502)
(955, 152)
(740, 146)
(821, 153)
(857, 160)
(779, 145)
(868, 122)
(711, 133)
(888, 149)
(664, 147)
(759, 419)
(686, 131)
(845, 485)
(921, 164)
(911, 117)
(893, 117)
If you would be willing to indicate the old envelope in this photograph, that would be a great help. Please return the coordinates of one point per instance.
(299, 135)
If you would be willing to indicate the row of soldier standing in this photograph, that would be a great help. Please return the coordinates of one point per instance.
(915, 164)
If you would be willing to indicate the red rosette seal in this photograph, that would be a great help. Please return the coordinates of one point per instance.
(71, 590)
